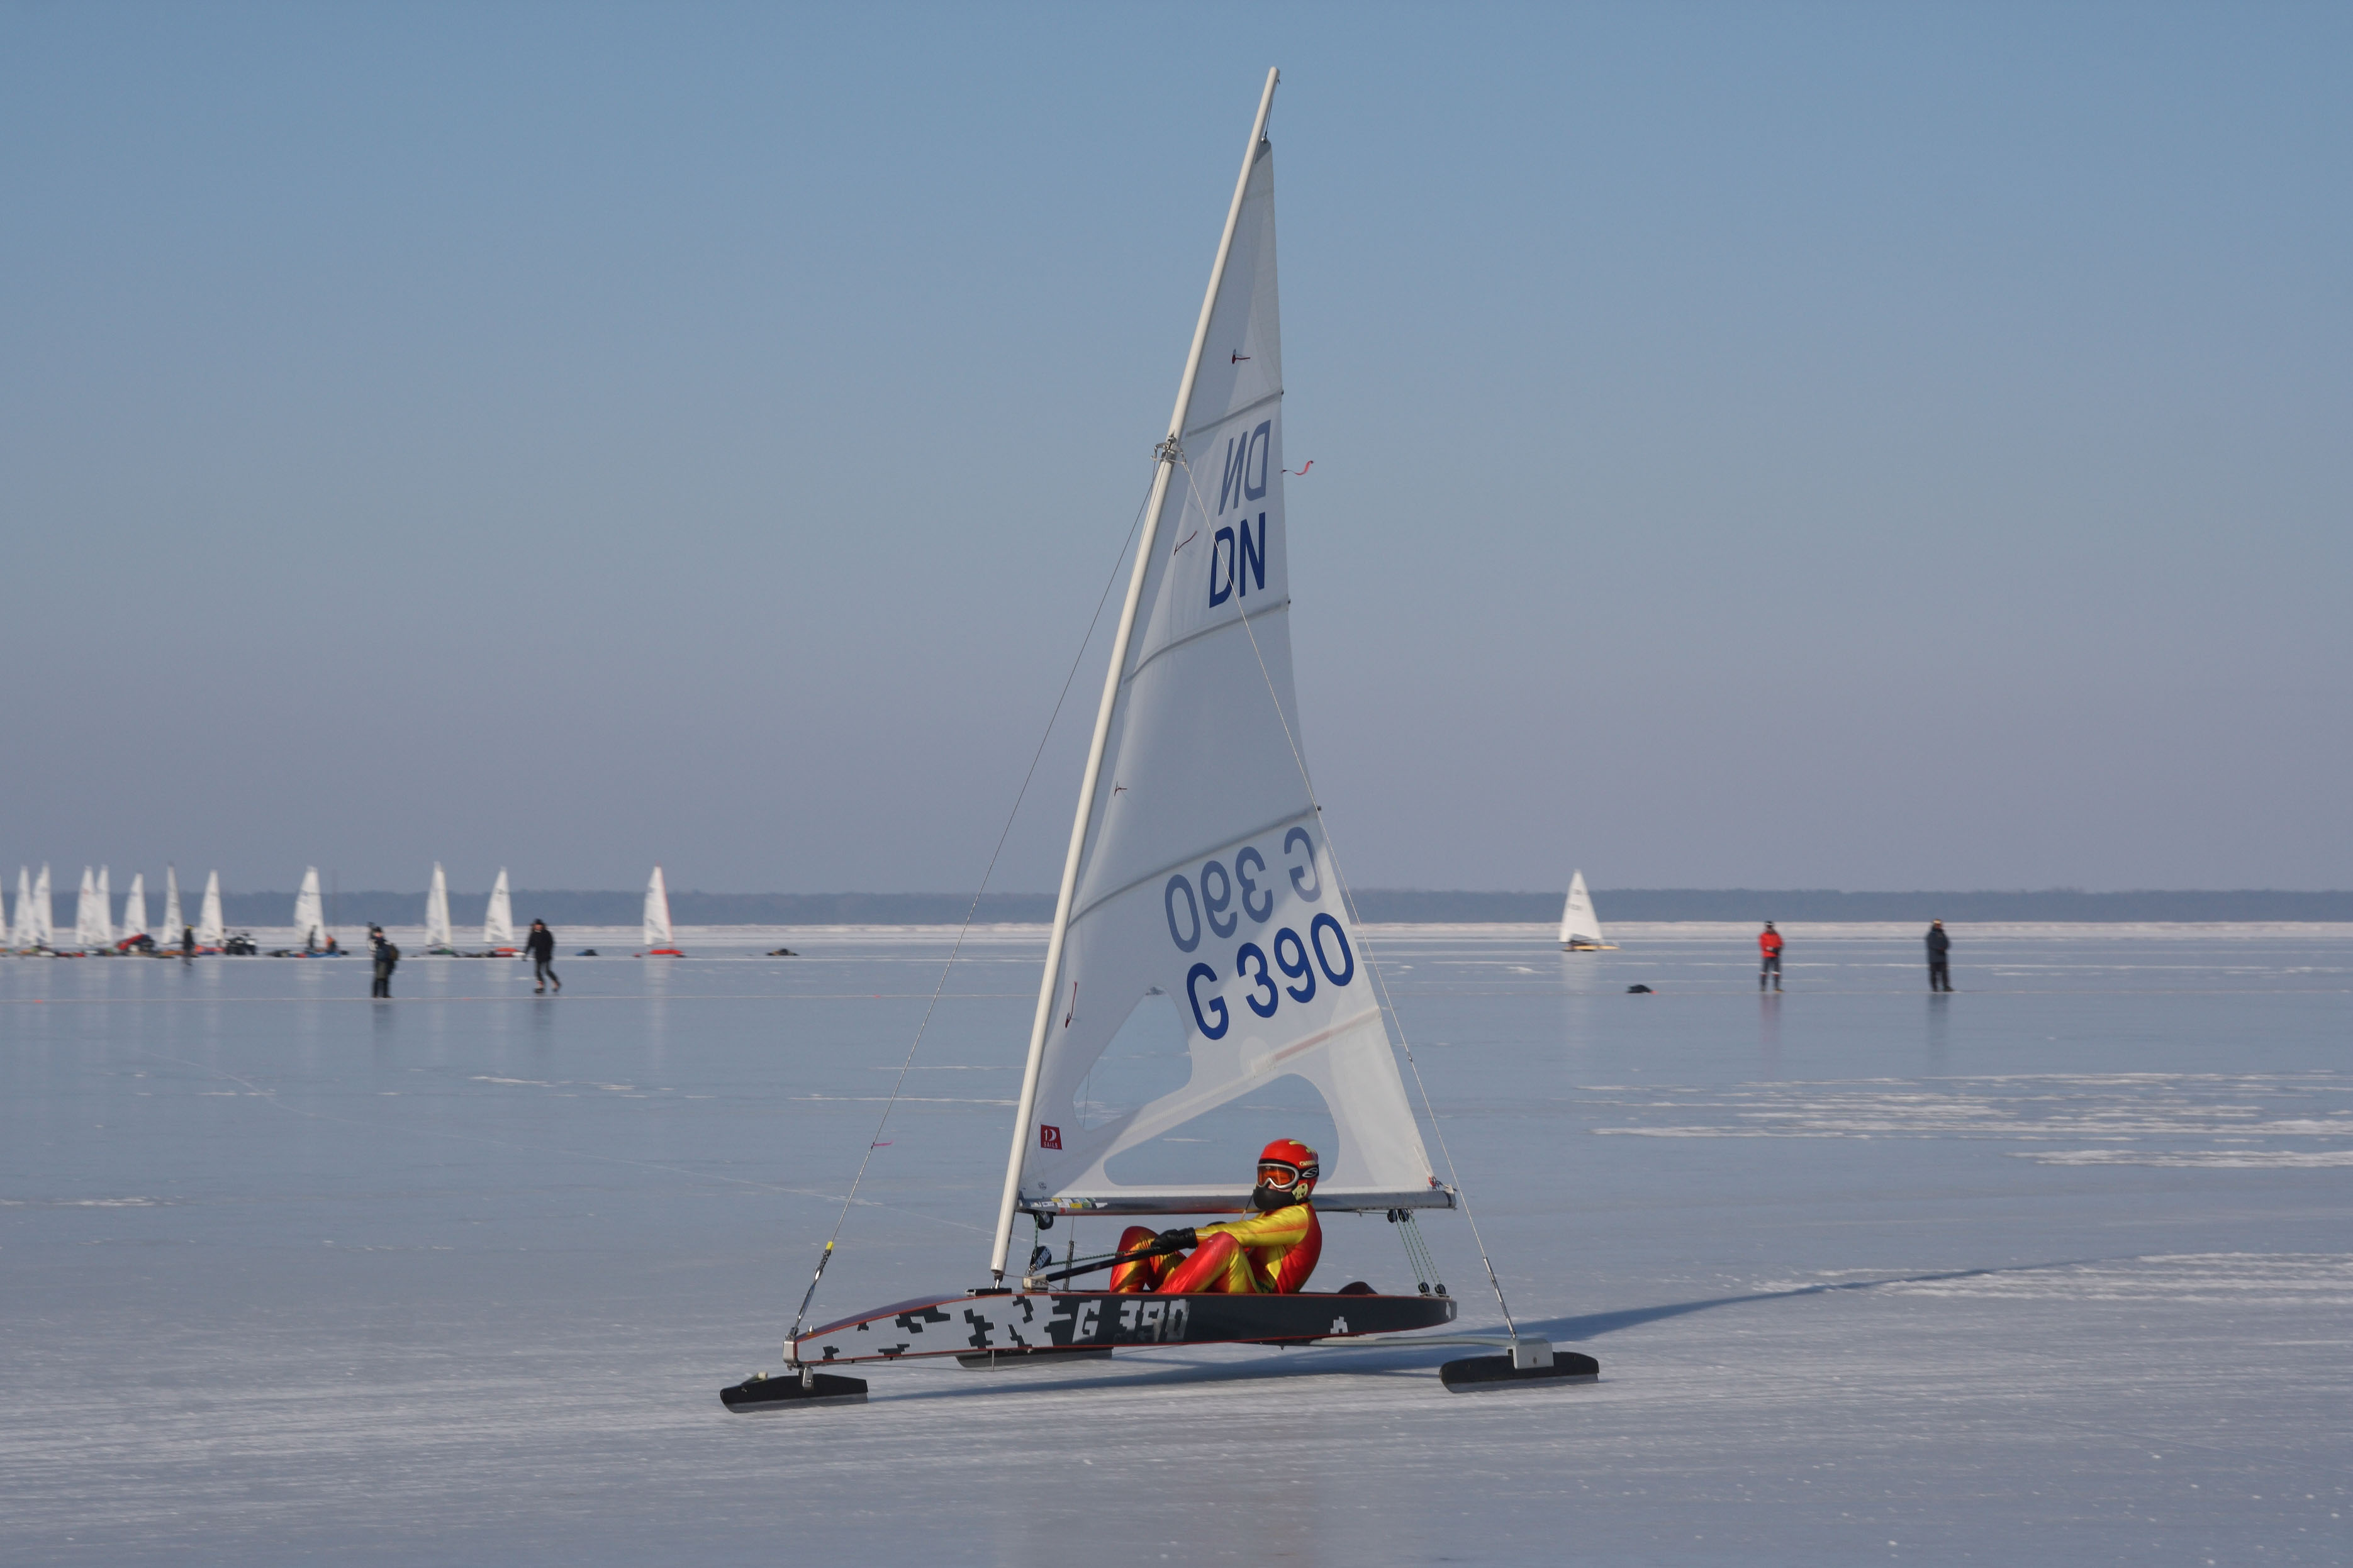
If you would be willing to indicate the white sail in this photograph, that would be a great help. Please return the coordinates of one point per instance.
(211, 931)
(437, 910)
(498, 923)
(173, 920)
(1200, 898)
(657, 931)
(1579, 926)
(43, 917)
(91, 928)
(309, 912)
(134, 908)
(21, 933)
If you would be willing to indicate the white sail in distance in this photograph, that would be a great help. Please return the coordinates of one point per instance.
(91, 929)
(657, 931)
(1579, 926)
(309, 911)
(437, 910)
(21, 934)
(498, 922)
(1200, 891)
(173, 923)
(44, 917)
(211, 931)
(134, 907)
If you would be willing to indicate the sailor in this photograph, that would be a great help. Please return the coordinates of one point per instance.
(1272, 1253)
(1768, 948)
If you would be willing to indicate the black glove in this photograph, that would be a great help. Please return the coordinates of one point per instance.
(1175, 1240)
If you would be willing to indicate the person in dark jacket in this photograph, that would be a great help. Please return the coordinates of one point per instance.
(540, 945)
(387, 959)
(1940, 977)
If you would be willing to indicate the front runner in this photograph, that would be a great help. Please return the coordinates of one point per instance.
(1270, 1253)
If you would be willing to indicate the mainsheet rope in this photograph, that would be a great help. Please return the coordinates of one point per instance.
(1005, 833)
(1371, 963)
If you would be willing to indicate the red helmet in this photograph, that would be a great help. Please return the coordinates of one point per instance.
(1287, 1172)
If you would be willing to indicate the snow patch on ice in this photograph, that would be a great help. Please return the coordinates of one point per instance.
(2196, 1159)
(2050, 1107)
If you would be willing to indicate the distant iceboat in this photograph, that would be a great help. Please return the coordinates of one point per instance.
(91, 927)
(211, 931)
(173, 924)
(437, 937)
(134, 910)
(1580, 928)
(498, 922)
(25, 936)
(659, 942)
(36, 924)
(311, 914)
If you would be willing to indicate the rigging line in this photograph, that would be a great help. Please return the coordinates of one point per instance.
(1371, 963)
(1004, 832)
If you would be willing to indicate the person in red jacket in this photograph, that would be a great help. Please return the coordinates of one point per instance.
(1768, 945)
(1271, 1253)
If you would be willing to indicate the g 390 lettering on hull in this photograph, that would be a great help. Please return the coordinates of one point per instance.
(964, 1325)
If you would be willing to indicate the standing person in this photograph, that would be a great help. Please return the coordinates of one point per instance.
(187, 944)
(540, 945)
(387, 959)
(1940, 976)
(1769, 948)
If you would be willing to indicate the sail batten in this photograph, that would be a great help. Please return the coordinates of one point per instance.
(1199, 878)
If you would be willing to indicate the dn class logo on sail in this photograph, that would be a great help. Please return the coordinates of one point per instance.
(1238, 561)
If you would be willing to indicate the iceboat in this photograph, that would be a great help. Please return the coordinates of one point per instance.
(1580, 928)
(1198, 893)
(498, 920)
(439, 938)
(212, 931)
(310, 920)
(661, 943)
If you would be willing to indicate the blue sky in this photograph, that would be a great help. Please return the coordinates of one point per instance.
(1867, 446)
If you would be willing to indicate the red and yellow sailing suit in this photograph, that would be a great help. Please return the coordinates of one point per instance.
(1260, 1255)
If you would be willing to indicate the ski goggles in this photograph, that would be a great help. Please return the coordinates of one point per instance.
(1281, 1177)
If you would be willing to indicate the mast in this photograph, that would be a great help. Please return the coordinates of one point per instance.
(1049, 983)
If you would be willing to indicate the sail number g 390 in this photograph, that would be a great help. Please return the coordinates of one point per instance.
(1224, 898)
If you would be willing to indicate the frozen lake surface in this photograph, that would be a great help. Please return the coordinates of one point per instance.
(2058, 1269)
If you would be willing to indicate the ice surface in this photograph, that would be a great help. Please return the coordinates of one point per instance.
(2058, 1269)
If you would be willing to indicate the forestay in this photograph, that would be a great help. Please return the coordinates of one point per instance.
(1203, 884)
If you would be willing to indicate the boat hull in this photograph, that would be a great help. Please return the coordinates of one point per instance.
(970, 1325)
